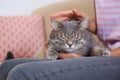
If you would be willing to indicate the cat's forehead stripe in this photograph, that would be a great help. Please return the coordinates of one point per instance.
(70, 27)
(73, 23)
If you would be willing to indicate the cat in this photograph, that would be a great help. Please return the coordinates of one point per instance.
(73, 36)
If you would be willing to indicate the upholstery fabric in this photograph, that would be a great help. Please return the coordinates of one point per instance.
(22, 35)
(86, 6)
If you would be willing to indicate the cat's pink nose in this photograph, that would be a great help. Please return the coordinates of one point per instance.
(70, 43)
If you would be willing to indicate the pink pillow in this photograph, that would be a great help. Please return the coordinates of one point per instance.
(22, 35)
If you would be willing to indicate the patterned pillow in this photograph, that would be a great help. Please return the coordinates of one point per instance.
(22, 35)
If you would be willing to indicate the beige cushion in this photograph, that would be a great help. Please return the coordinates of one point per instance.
(86, 6)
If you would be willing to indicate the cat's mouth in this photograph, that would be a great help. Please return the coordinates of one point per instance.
(70, 49)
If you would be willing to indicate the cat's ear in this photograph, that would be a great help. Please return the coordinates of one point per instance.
(55, 24)
(84, 23)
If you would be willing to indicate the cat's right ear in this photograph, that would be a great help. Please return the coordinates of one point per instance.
(55, 24)
(84, 23)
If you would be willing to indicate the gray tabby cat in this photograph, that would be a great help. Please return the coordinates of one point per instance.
(72, 36)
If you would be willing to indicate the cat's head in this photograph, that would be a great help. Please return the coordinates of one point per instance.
(68, 34)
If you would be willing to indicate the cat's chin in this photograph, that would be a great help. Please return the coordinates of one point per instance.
(69, 50)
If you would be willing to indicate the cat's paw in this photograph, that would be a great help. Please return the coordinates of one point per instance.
(104, 52)
(99, 51)
(52, 55)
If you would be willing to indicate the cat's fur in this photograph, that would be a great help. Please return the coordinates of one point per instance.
(72, 36)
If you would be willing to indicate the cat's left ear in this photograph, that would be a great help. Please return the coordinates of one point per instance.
(84, 23)
(55, 24)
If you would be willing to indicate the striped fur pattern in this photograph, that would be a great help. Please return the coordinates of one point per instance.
(72, 36)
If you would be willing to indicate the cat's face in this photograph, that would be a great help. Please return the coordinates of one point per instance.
(68, 34)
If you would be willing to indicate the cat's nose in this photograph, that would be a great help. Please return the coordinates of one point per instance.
(70, 43)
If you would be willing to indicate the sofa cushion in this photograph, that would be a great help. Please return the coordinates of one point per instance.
(22, 35)
(86, 6)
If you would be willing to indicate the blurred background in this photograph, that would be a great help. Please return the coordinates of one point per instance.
(22, 7)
